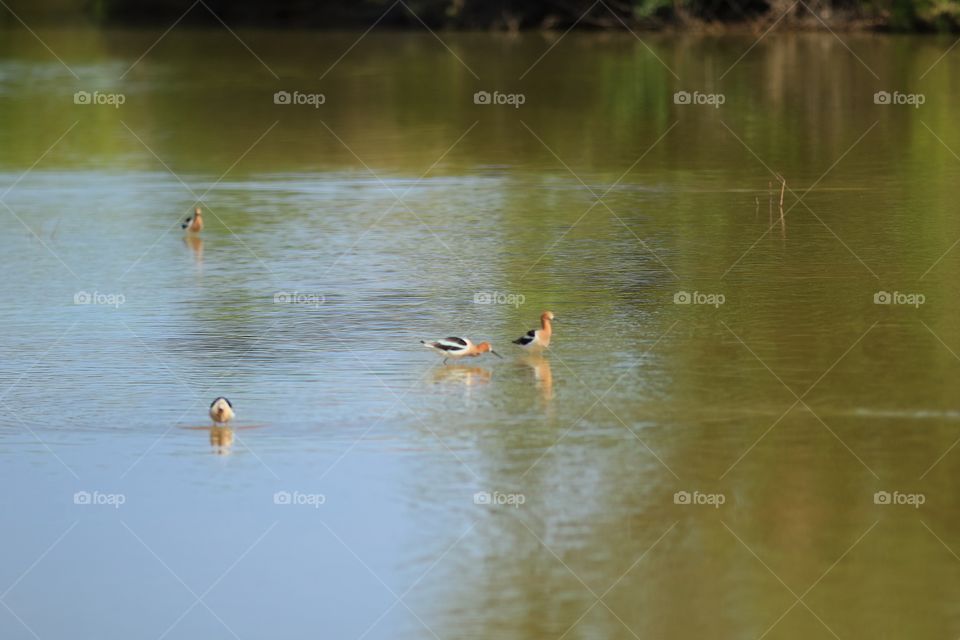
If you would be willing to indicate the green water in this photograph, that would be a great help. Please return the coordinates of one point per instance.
(784, 399)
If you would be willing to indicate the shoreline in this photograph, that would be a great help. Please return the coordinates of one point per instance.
(944, 18)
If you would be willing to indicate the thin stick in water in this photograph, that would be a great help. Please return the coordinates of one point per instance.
(783, 221)
(769, 204)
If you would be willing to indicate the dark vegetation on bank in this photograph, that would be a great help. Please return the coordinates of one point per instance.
(883, 15)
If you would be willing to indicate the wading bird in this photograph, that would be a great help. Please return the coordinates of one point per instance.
(538, 338)
(194, 224)
(457, 348)
(221, 411)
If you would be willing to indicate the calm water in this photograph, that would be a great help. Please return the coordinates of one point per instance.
(791, 403)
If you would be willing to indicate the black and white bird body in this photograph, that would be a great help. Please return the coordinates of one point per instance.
(221, 411)
(536, 339)
(457, 348)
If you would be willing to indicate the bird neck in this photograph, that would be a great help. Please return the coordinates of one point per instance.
(545, 325)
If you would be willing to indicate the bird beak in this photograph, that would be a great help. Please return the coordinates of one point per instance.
(496, 354)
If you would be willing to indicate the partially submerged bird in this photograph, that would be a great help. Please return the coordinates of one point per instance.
(194, 224)
(538, 338)
(457, 348)
(221, 411)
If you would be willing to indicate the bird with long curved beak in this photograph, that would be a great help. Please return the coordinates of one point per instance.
(538, 338)
(194, 224)
(457, 348)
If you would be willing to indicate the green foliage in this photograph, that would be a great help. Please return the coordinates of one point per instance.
(647, 9)
(942, 15)
(893, 15)
(910, 15)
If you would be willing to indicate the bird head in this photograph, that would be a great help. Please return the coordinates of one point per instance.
(485, 347)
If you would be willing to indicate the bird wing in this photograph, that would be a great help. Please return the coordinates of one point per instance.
(526, 338)
(452, 344)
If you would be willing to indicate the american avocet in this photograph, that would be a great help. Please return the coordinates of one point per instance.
(221, 411)
(194, 224)
(457, 348)
(538, 338)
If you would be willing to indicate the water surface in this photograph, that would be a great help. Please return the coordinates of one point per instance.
(386, 210)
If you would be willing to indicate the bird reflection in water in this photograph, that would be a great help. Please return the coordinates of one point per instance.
(542, 375)
(462, 374)
(222, 436)
(221, 440)
(196, 246)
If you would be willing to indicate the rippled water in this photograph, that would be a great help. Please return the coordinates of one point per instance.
(385, 211)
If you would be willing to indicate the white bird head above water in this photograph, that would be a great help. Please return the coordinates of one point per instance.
(221, 411)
